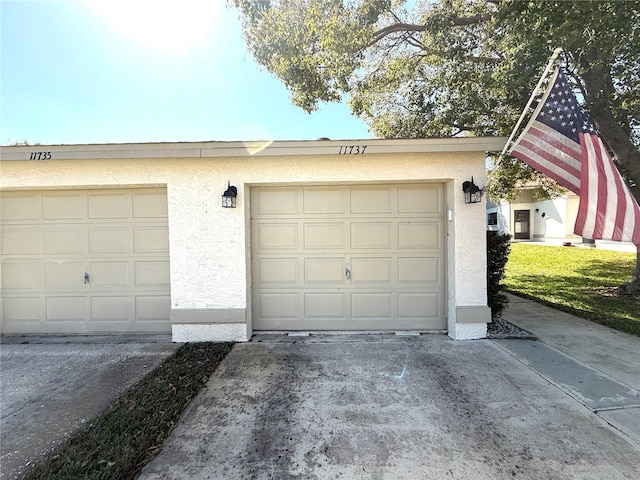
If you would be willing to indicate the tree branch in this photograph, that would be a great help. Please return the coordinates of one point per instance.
(399, 27)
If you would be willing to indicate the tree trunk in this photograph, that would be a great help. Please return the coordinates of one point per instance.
(632, 289)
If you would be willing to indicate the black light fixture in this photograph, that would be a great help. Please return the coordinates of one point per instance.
(472, 193)
(229, 196)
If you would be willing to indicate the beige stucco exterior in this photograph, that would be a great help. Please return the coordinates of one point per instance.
(210, 245)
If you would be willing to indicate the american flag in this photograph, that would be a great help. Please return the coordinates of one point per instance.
(562, 142)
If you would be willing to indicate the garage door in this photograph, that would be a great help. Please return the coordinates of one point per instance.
(348, 257)
(93, 261)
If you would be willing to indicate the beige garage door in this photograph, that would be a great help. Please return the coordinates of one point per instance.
(348, 258)
(91, 261)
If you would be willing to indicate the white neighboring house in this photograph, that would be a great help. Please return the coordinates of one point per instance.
(528, 219)
(358, 235)
(548, 221)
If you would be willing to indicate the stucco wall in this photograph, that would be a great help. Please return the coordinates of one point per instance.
(208, 244)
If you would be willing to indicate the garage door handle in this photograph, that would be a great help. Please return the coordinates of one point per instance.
(86, 277)
(347, 272)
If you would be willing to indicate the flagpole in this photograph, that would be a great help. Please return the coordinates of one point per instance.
(553, 58)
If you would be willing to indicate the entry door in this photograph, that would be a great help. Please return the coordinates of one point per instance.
(348, 258)
(521, 228)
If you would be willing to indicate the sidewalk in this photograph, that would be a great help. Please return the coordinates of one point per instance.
(596, 365)
(599, 245)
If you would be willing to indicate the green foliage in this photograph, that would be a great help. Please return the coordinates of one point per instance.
(504, 182)
(580, 281)
(119, 442)
(498, 248)
(453, 67)
(313, 46)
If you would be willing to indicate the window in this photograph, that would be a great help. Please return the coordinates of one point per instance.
(493, 218)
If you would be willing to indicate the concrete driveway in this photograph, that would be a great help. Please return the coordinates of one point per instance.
(388, 407)
(50, 386)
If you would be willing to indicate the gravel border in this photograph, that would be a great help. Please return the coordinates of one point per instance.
(499, 328)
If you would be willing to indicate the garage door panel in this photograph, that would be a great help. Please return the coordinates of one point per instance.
(372, 270)
(424, 199)
(421, 270)
(325, 201)
(65, 275)
(284, 305)
(325, 236)
(323, 271)
(108, 206)
(152, 308)
(21, 240)
(22, 309)
(108, 240)
(422, 235)
(371, 200)
(419, 305)
(65, 308)
(324, 305)
(64, 207)
(151, 239)
(64, 241)
(373, 305)
(272, 272)
(367, 235)
(280, 236)
(283, 201)
(152, 274)
(109, 273)
(150, 205)
(24, 275)
(20, 207)
(110, 309)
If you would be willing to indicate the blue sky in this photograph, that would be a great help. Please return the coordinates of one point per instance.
(111, 71)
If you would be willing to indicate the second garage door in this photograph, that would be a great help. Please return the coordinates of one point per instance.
(348, 257)
(92, 261)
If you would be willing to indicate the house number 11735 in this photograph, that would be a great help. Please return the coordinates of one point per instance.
(352, 150)
(40, 156)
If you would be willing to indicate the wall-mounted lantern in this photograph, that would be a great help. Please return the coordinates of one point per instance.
(472, 193)
(229, 196)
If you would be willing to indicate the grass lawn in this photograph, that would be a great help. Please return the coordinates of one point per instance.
(126, 436)
(576, 280)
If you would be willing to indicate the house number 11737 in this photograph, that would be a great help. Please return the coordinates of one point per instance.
(352, 150)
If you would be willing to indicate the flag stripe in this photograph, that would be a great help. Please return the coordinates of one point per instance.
(601, 182)
(616, 206)
(551, 153)
(559, 141)
(631, 225)
(538, 162)
(544, 157)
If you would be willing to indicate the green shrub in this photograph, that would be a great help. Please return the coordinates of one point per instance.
(498, 248)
